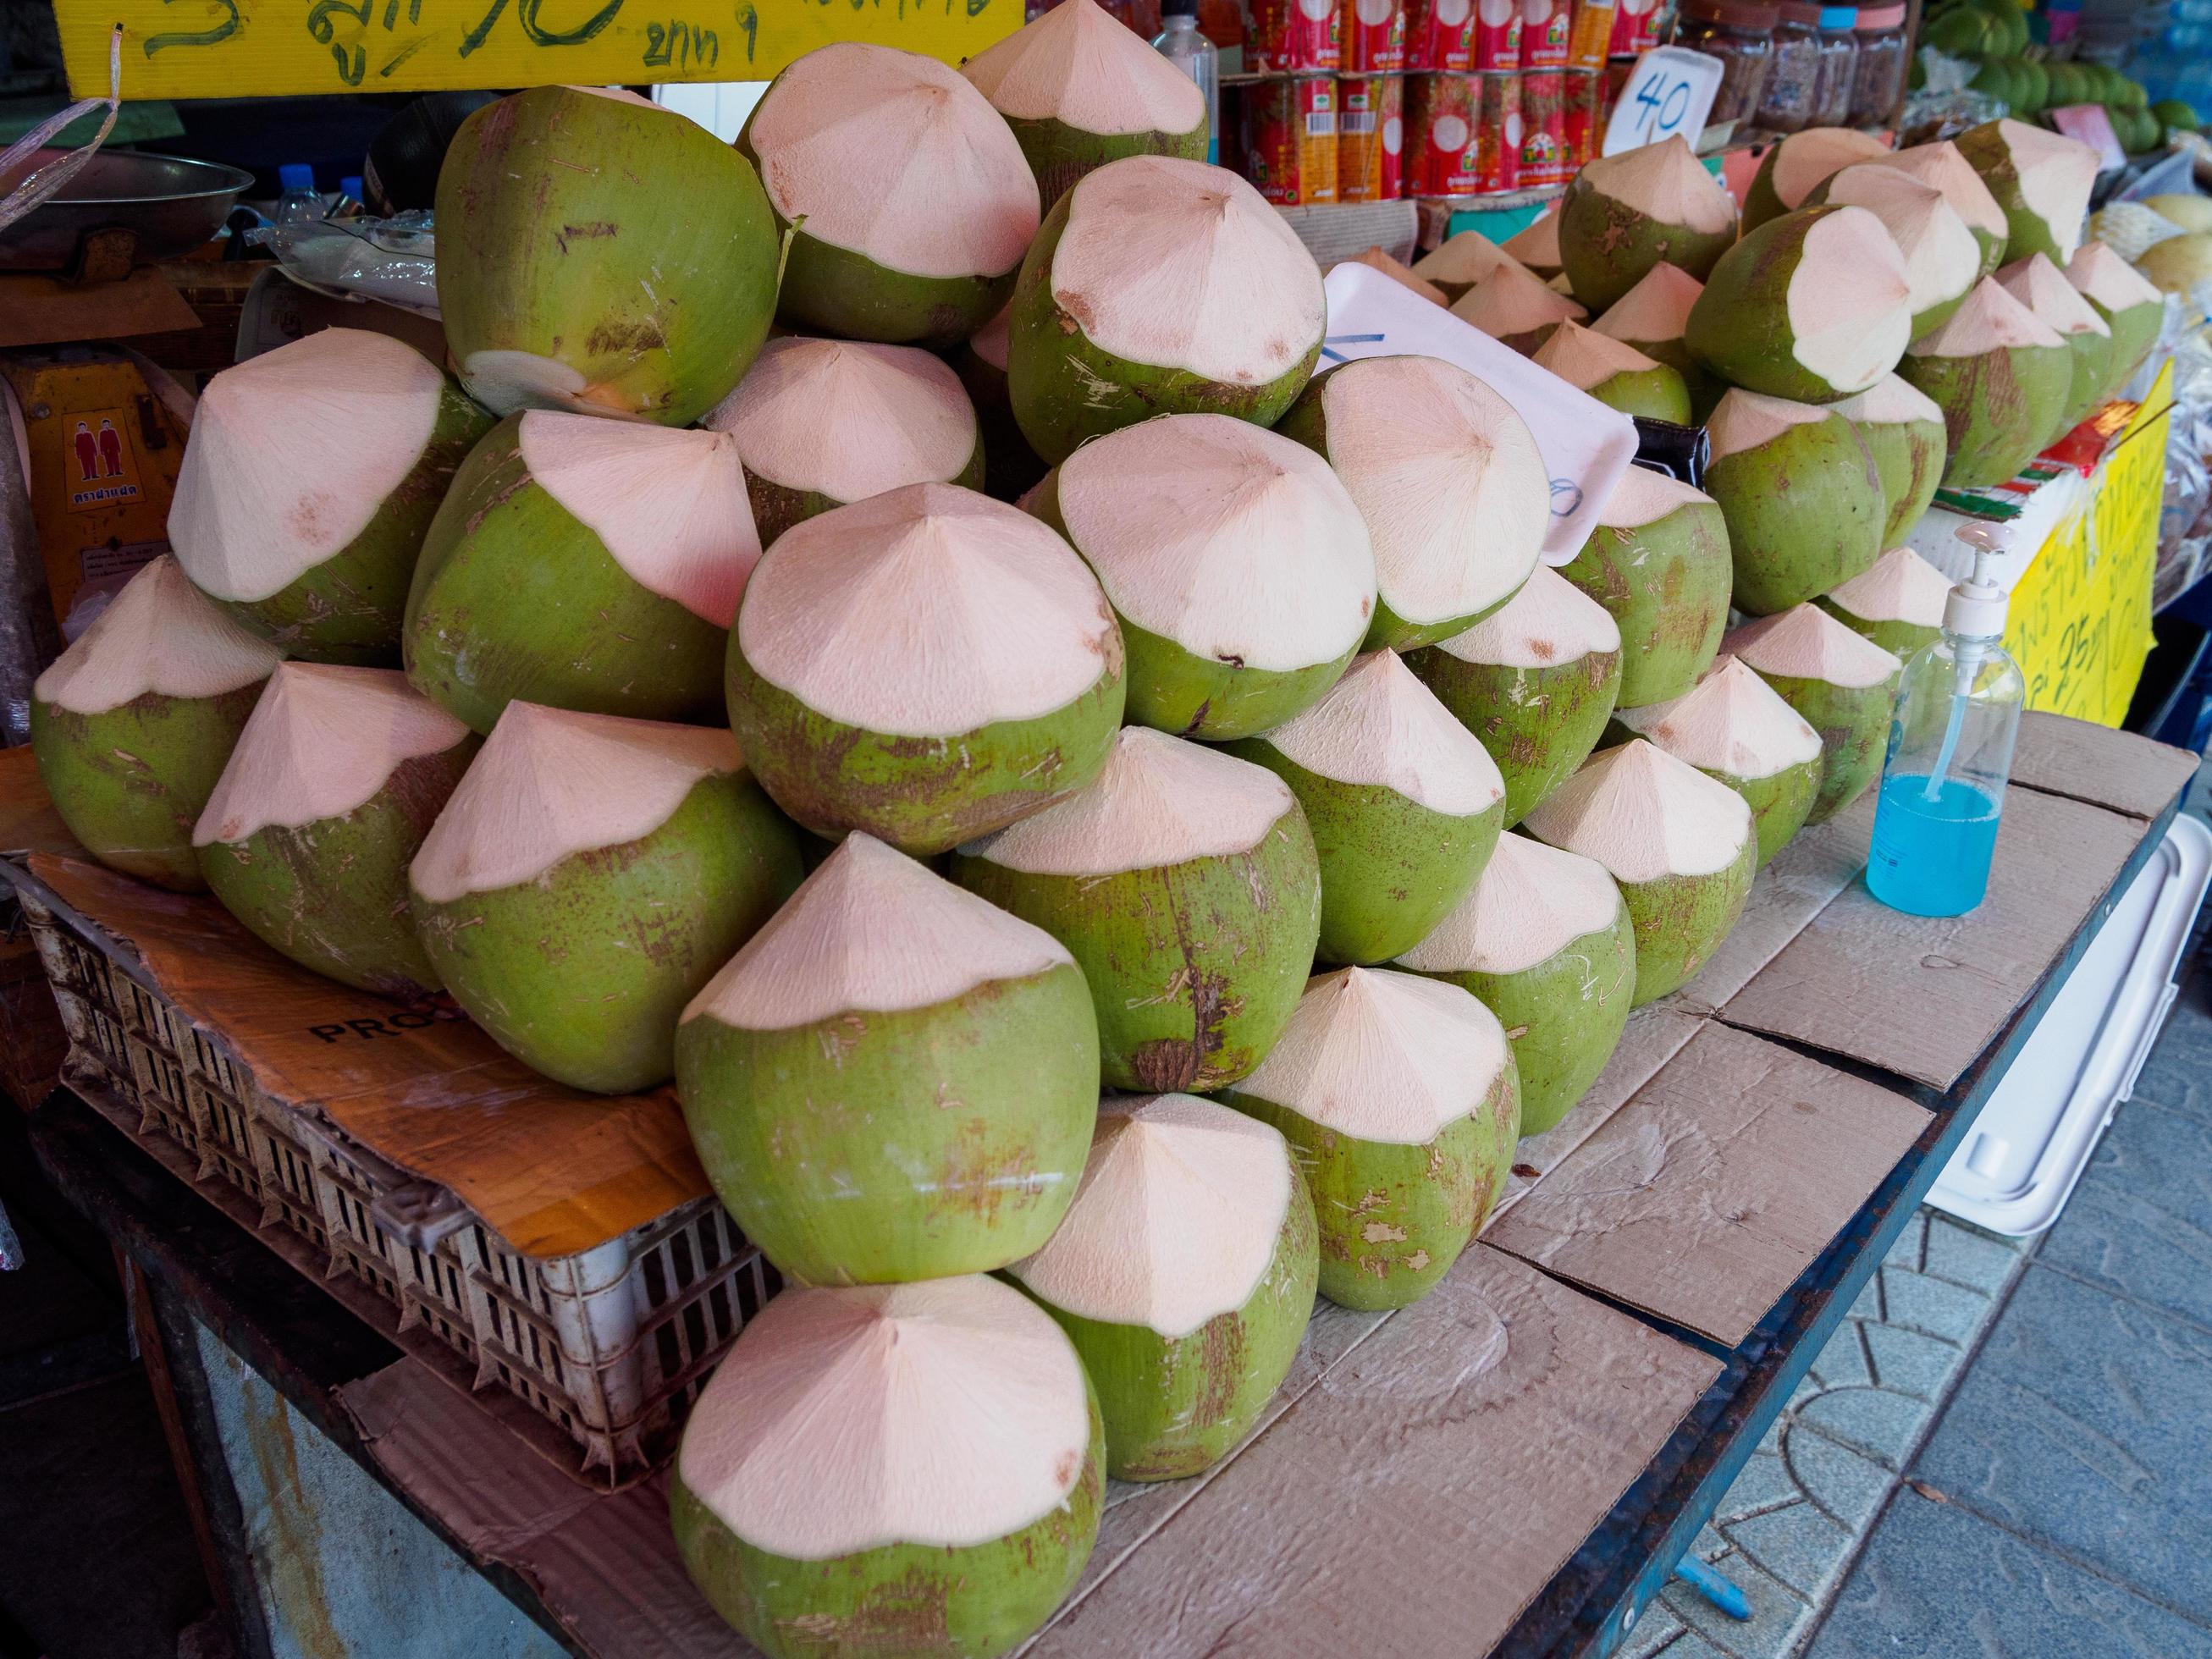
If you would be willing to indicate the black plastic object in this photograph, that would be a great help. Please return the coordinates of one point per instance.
(401, 169)
(1680, 452)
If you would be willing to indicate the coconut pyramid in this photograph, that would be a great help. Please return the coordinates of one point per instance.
(633, 619)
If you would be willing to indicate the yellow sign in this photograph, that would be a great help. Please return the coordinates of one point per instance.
(267, 48)
(2080, 623)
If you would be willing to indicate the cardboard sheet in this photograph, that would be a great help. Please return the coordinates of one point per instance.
(1703, 1198)
(28, 823)
(37, 311)
(552, 1170)
(2104, 768)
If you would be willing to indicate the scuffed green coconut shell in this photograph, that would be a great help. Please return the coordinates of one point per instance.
(1898, 603)
(1843, 684)
(2042, 181)
(1658, 562)
(2001, 377)
(2132, 308)
(1793, 170)
(1617, 374)
(1624, 214)
(565, 285)
(1941, 165)
(1904, 431)
(1651, 317)
(1942, 256)
(1801, 495)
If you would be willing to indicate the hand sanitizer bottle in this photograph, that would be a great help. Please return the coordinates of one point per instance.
(1181, 45)
(1950, 754)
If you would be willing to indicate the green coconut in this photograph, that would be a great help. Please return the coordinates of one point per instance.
(132, 725)
(1081, 89)
(1681, 845)
(1941, 165)
(1898, 604)
(1812, 306)
(2133, 309)
(1456, 494)
(892, 1081)
(1535, 681)
(2042, 181)
(1658, 563)
(1615, 374)
(1459, 262)
(586, 564)
(1236, 564)
(1651, 317)
(1732, 728)
(302, 512)
(1185, 884)
(913, 1469)
(926, 252)
(927, 666)
(1839, 681)
(1158, 286)
(1545, 942)
(1011, 467)
(1801, 495)
(1515, 307)
(822, 423)
(1537, 246)
(644, 852)
(566, 284)
(2001, 376)
(2043, 289)
(1793, 169)
(336, 780)
(1942, 257)
(1624, 214)
(1404, 803)
(1184, 1275)
(1903, 431)
(1398, 1098)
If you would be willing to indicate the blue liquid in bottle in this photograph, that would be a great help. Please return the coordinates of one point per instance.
(1931, 855)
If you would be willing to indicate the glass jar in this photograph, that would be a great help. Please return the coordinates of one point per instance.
(1793, 81)
(1740, 33)
(1878, 82)
(1839, 57)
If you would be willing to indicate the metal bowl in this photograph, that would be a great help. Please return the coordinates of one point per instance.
(170, 204)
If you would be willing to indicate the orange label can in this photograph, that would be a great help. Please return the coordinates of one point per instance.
(1291, 140)
(1589, 34)
(1369, 138)
(1583, 118)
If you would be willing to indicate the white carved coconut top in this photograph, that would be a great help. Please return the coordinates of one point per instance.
(1942, 259)
(927, 612)
(946, 1413)
(1730, 721)
(1230, 540)
(1803, 159)
(161, 635)
(1383, 1056)
(1536, 244)
(1806, 643)
(1942, 166)
(1510, 300)
(319, 745)
(551, 782)
(1466, 258)
(1380, 726)
(1656, 309)
(1891, 401)
(1850, 301)
(1446, 476)
(2043, 289)
(2055, 174)
(873, 932)
(948, 192)
(2108, 279)
(1584, 358)
(668, 503)
(1375, 259)
(1666, 183)
(1175, 1220)
(1077, 66)
(1160, 800)
(1643, 497)
(1175, 264)
(1549, 622)
(1898, 586)
(1643, 814)
(293, 451)
(1531, 903)
(1746, 420)
(989, 341)
(1990, 320)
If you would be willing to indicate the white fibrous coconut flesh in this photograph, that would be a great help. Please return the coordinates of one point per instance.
(925, 612)
(1384, 1056)
(1375, 259)
(158, 635)
(1536, 244)
(1942, 259)
(1175, 1220)
(870, 932)
(1079, 66)
(1176, 265)
(1548, 623)
(1656, 308)
(1943, 166)
(1448, 478)
(2056, 174)
(1730, 722)
(321, 741)
(1645, 496)
(1806, 643)
(849, 419)
(1900, 586)
(1510, 301)
(1466, 258)
(1746, 420)
(1532, 901)
(1380, 726)
(669, 503)
(293, 452)
(1645, 815)
(1805, 159)
(1891, 401)
(2043, 289)
(549, 782)
(1990, 320)
(1851, 312)
(1159, 801)
(989, 342)
(942, 1415)
(2112, 282)
(1232, 541)
(1584, 358)
(948, 192)
(1666, 184)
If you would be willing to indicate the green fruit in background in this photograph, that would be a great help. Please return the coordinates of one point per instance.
(2178, 116)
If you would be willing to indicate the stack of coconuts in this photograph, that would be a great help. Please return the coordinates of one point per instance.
(675, 698)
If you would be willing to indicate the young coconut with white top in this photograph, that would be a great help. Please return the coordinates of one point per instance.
(1942, 259)
(1801, 493)
(2041, 178)
(1515, 307)
(1840, 682)
(1010, 468)
(1903, 431)
(1898, 604)
(1624, 214)
(1651, 317)
(1536, 244)
(2059, 306)
(1459, 262)
(2001, 376)
(1658, 562)
(1941, 166)
(2132, 307)
(1615, 374)
(1794, 169)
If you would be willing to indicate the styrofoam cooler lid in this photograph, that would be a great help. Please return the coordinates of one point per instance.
(2019, 1161)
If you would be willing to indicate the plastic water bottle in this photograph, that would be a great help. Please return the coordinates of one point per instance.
(1950, 756)
(1181, 45)
(297, 203)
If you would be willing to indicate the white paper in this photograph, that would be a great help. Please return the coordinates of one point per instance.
(1670, 90)
(1586, 446)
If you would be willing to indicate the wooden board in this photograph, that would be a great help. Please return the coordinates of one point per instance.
(2089, 763)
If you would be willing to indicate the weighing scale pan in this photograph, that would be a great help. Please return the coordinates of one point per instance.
(167, 204)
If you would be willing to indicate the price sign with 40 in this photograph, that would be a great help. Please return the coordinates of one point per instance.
(1670, 91)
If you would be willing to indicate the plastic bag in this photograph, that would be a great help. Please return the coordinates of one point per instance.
(394, 260)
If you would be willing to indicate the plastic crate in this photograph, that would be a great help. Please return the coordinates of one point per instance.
(608, 1347)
